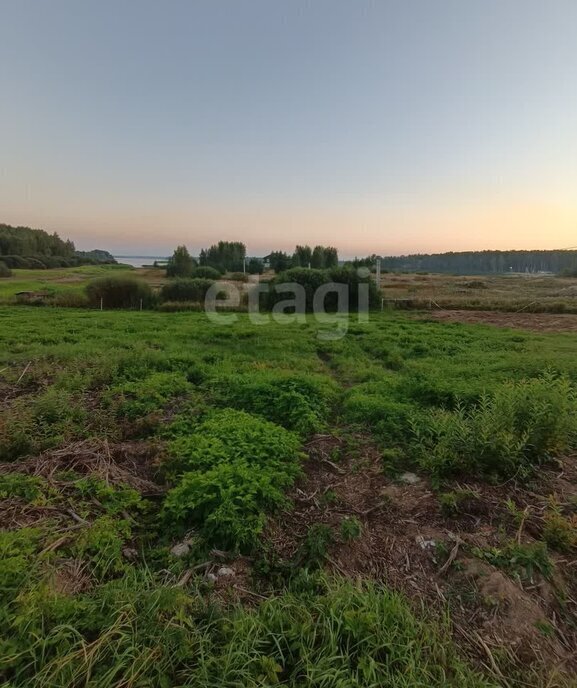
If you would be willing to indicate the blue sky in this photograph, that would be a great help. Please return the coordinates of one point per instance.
(387, 127)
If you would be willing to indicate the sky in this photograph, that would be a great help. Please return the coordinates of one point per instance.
(385, 126)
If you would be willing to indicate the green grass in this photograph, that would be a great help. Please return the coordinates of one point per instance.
(58, 280)
(229, 408)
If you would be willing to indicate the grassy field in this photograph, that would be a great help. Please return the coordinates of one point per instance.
(533, 293)
(530, 293)
(193, 504)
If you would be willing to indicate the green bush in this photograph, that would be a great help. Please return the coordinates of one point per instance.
(116, 291)
(139, 398)
(32, 425)
(520, 425)
(234, 468)
(228, 436)
(388, 419)
(312, 279)
(297, 402)
(5, 271)
(71, 299)
(238, 277)
(206, 272)
(186, 290)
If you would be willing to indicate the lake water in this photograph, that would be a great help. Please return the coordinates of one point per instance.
(139, 261)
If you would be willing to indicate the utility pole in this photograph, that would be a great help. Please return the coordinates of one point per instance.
(378, 273)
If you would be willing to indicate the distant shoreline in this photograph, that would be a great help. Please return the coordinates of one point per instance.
(140, 261)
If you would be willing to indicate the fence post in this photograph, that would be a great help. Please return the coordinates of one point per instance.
(101, 303)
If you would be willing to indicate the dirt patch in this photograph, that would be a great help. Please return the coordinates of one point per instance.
(128, 463)
(409, 542)
(70, 577)
(538, 322)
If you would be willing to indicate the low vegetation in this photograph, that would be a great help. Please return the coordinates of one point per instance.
(178, 500)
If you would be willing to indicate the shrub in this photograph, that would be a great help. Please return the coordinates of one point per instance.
(255, 266)
(236, 468)
(351, 528)
(315, 547)
(186, 290)
(71, 299)
(238, 277)
(137, 399)
(296, 402)
(5, 271)
(116, 291)
(388, 419)
(312, 280)
(559, 531)
(206, 272)
(226, 503)
(227, 436)
(521, 424)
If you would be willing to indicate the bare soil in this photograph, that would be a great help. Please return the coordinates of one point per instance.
(411, 545)
(538, 322)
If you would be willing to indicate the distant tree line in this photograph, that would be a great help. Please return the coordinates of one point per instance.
(24, 247)
(230, 256)
(483, 262)
(226, 256)
(318, 258)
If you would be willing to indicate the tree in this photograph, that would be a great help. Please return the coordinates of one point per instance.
(226, 256)
(280, 261)
(181, 264)
(255, 266)
(302, 257)
(331, 257)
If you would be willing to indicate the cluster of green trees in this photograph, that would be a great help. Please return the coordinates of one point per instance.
(24, 241)
(230, 256)
(226, 256)
(23, 247)
(213, 262)
(484, 262)
(319, 258)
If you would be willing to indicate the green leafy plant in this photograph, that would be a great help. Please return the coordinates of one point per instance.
(559, 531)
(521, 559)
(520, 425)
(141, 397)
(234, 468)
(452, 503)
(350, 529)
(297, 402)
(315, 547)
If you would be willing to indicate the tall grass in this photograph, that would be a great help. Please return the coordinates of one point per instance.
(137, 632)
(520, 425)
